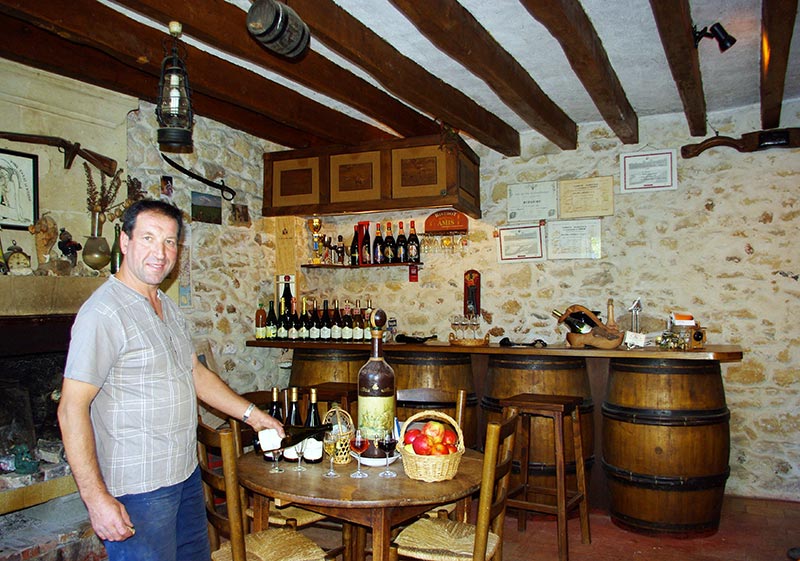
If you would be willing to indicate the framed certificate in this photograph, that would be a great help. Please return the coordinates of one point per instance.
(521, 243)
(649, 171)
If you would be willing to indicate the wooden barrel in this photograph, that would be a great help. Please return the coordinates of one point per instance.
(315, 366)
(509, 375)
(443, 371)
(666, 442)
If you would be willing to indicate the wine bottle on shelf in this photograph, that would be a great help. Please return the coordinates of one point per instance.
(315, 323)
(283, 323)
(365, 248)
(261, 322)
(575, 325)
(376, 390)
(293, 420)
(294, 323)
(358, 323)
(389, 245)
(377, 246)
(401, 253)
(313, 449)
(286, 295)
(325, 330)
(336, 322)
(302, 322)
(339, 250)
(347, 323)
(413, 244)
(272, 322)
(366, 320)
(354, 248)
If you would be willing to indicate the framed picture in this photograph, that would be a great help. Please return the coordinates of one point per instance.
(19, 189)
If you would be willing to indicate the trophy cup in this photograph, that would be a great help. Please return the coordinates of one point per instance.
(315, 225)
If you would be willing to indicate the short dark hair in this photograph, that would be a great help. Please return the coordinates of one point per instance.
(150, 205)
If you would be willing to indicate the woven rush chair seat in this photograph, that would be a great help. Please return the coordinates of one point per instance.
(441, 539)
(274, 544)
(289, 516)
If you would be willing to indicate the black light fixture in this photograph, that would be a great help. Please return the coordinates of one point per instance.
(278, 27)
(174, 105)
(717, 32)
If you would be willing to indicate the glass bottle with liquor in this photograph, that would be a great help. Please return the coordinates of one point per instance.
(575, 325)
(276, 411)
(283, 323)
(339, 250)
(354, 247)
(376, 390)
(377, 246)
(313, 450)
(336, 322)
(302, 322)
(358, 325)
(261, 322)
(315, 323)
(325, 330)
(389, 245)
(293, 419)
(286, 294)
(116, 253)
(401, 253)
(293, 323)
(365, 248)
(413, 244)
(347, 323)
(366, 319)
(272, 322)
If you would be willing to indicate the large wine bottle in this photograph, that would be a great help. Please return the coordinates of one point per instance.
(293, 420)
(313, 449)
(376, 390)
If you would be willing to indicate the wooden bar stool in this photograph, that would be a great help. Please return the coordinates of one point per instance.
(554, 407)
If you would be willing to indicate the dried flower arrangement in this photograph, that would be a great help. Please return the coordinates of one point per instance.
(101, 200)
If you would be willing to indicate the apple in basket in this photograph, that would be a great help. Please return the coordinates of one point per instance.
(423, 445)
(434, 430)
(410, 435)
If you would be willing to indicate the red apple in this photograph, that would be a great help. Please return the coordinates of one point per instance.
(434, 430)
(410, 435)
(451, 448)
(449, 437)
(439, 450)
(422, 445)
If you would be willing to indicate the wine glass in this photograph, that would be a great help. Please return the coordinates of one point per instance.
(329, 441)
(454, 325)
(300, 448)
(387, 443)
(359, 444)
(276, 455)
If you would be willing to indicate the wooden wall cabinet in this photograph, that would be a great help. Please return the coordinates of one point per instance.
(394, 175)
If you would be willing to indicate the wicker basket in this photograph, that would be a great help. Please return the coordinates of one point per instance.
(432, 468)
(343, 426)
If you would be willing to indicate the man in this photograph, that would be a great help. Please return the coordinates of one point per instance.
(128, 410)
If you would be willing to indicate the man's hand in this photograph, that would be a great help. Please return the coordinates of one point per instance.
(260, 420)
(110, 520)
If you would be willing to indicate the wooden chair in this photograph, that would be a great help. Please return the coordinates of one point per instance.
(441, 539)
(272, 544)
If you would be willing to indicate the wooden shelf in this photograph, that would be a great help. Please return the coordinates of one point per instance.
(378, 266)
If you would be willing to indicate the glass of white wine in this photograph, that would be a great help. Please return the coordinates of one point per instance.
(329, 441)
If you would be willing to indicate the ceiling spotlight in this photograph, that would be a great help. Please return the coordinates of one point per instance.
(717, 32)
(278, 27)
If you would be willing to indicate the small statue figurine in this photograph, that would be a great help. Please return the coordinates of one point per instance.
(24, 462)
(68, 247)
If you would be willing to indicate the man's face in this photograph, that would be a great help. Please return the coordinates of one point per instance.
(152, 250)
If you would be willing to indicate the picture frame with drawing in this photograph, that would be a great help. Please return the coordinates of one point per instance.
(19, 189)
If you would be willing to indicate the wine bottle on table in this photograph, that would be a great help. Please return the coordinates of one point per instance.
(401, 253)
(313, 449)
(261, 322)
(377, 246)
(325, 330)
(276, 411)
(272, 322)
(389, 245)
(413, 244)
(354, 248)
(336, 322)
(376, 390)
(293, 420)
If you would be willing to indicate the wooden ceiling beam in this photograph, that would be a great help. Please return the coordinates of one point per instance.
(569, 24)
(224, 26)
(777, 27)
(478, 51)
(403, 77)
(32, 46)
(141, 47)
(674, 23)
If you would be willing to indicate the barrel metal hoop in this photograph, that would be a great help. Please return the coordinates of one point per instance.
(666, 417)
(521, 362)
(425, 359)
(660, 528)
(665, 482)
(660, 367)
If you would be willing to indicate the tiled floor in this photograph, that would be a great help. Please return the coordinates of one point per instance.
(750, 530)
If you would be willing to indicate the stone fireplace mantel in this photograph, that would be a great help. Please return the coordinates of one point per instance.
(43, 295)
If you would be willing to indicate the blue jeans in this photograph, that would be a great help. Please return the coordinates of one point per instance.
(170, 525)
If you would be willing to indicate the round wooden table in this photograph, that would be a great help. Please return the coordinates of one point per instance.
(374, 502)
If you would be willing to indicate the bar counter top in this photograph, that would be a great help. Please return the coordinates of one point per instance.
(721, 353)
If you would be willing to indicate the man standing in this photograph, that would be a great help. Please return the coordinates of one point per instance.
(128, 411)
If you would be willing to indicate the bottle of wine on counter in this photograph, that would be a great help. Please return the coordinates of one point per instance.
(358, 324)
(365, 247)
(401, 253)
(336, 322)
(413, 244)
(325, 330)
(261, 322)
(272, 322)
(316, 323)
(283, 323)
(313, 450)
(293, 420)
(389, 245)
(376, 390)
(347, 323)
(354, 247)
(575, 325)
(377, 246)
